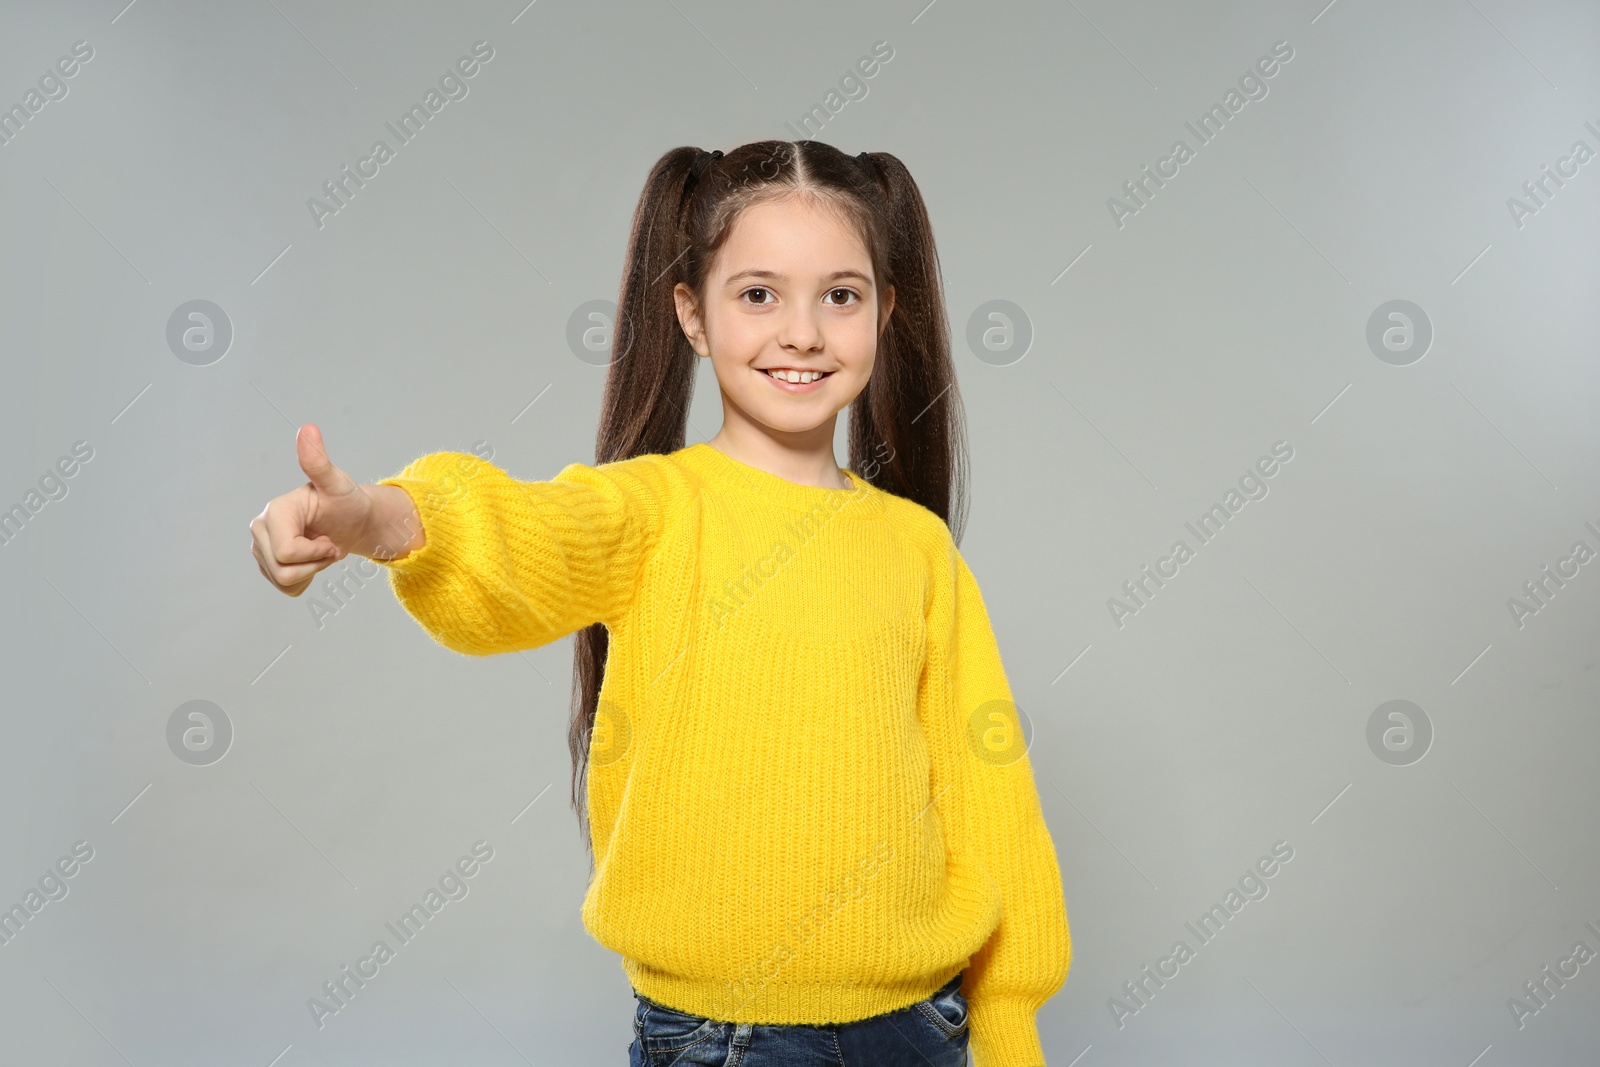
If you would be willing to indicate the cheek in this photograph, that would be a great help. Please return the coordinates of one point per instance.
(738, 333)
(864, 339)
(864, 353)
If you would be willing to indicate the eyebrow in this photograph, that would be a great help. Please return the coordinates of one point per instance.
(775, 276)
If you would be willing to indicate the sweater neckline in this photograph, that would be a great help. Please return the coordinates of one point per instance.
(726, 470)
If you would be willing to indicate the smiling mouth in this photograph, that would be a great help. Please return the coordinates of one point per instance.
(791, 376)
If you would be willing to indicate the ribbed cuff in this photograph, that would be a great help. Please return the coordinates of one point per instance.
(1004, 1032)
(442, 504)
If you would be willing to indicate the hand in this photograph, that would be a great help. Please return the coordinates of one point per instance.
(311, 527)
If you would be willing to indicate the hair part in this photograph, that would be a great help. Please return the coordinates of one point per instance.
(906, 429)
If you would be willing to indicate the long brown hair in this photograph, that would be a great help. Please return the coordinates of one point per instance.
(907, 432)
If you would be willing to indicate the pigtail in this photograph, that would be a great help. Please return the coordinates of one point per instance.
(907, 428)
(645, 406)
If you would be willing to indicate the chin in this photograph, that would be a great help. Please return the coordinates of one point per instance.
(789, 424)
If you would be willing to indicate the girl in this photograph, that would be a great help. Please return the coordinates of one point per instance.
(813, 824)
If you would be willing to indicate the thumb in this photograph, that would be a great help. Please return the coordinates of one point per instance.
(325, 477)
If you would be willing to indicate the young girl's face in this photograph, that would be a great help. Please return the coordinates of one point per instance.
(792, 289)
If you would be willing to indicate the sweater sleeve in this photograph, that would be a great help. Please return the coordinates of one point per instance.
(993, 809)
(508, 565)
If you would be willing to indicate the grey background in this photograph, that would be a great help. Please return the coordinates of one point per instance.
(1230, 313)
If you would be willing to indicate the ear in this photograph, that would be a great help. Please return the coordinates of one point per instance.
(689, 318)
(888, 306)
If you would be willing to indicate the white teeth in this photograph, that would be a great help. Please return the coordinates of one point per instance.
(795, 375)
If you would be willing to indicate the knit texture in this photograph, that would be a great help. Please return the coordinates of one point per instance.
(809, 794)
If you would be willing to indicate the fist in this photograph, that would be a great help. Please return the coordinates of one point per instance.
(312, 526)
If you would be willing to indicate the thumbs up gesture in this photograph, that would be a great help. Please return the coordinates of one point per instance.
(319, 523)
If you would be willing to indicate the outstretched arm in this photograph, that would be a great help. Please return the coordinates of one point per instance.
(501, 564)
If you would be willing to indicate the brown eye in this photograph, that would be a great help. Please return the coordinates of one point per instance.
(846, 292)
(757, 289)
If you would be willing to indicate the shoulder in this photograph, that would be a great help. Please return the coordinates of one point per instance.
(647, 465)
(922, 530)
(650, 474)
(951, 576)
(913, 518)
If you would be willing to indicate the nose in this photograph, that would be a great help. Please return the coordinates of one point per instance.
(798, 331)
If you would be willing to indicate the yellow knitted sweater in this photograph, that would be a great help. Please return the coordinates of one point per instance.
(809, 795)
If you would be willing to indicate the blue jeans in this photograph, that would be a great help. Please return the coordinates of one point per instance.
(929, 1033)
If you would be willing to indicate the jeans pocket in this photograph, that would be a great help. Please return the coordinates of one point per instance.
(946, 1009)
(667, 1035)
